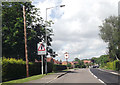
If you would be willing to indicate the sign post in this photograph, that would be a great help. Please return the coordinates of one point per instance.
(66, 57)
(41, 48)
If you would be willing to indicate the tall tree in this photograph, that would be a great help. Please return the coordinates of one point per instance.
(109, 32)
(13, 33)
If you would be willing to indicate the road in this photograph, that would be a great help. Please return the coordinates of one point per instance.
(78, 76)
(106, 77)
(92, 76)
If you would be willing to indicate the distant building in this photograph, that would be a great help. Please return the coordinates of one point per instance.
(56, 61)
(64, 63)
(74, 62)
(50, 59)
(86, 61)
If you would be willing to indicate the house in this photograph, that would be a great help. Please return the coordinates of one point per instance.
(86, 61)
(74, 62)
(56, 61)
(64, 63)
(50, 59)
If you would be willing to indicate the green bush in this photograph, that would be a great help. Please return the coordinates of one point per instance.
(13, 69)
(115, 65)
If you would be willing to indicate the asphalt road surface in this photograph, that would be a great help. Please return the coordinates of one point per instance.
(106, 77)
(78, 76)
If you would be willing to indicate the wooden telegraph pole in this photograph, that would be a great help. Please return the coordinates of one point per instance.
(27, 69)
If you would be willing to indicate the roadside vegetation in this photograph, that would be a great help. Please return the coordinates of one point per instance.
(110, 34)
(13, 44)
(15, 69)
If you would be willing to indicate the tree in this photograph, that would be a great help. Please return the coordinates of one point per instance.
(110, 34)
(80, 63)
(13, 33)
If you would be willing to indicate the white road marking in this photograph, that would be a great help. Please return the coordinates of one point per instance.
(97, 78)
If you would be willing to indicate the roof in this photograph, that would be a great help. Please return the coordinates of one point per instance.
(56, 61)
(49, 59)
(87, 61)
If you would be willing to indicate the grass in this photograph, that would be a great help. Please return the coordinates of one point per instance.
(25, 79)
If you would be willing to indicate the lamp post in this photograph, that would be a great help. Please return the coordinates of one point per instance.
(46, 35)
(116, 53)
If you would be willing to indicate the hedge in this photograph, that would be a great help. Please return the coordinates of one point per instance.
(115, 65)
(16, 69)
(59, 67)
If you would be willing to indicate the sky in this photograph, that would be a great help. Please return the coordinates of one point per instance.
(76, 26)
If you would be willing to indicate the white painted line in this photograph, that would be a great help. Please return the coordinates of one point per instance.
(97, 78)
(100, 80)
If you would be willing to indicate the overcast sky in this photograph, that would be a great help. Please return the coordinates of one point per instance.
(76, 25)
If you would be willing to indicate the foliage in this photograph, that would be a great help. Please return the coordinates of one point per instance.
(80, 63)
(13, 33)
(102, 60)
(110, 33)
(14, 69)
(69, 65)
(115, 65)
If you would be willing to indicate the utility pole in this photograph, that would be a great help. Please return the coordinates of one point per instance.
(27, 69)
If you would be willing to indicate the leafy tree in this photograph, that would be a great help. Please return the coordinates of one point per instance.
(110, 33)
(102, 60)
(80, 63)
(69, 65)
(13, 30)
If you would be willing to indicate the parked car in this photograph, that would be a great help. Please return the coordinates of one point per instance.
(96, 66)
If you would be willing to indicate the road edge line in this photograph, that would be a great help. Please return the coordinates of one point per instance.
(97, 78)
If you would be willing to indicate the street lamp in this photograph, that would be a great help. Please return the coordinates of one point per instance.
(46, 34)
(116, 53)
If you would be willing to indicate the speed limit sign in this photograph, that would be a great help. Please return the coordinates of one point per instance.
(66, 55)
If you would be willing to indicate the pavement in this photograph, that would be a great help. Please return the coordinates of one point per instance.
(48, 78)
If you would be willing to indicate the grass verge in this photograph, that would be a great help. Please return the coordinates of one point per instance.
(24, 79)
(35, 77)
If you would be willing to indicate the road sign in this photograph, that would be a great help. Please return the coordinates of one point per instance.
(41, 48)
(66, 55)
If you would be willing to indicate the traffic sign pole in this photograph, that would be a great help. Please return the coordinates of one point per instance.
(41, 47)
(42, 64)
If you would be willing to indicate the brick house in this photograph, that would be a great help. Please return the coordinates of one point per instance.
(50, 59)
(87, 61)
(64, 63)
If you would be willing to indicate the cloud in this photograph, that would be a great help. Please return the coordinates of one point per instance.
(76, 26)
